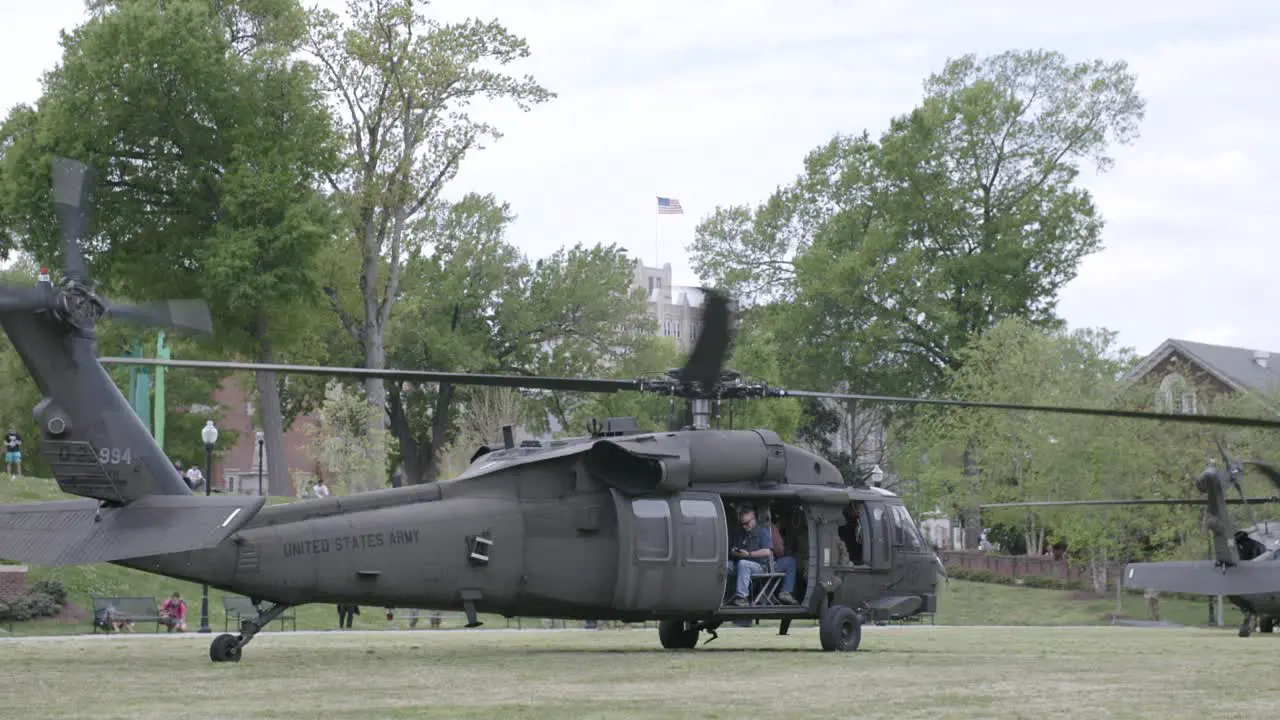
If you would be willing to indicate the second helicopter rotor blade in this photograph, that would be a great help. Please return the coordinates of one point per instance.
(512, 381)
(1140, 501)
(191, 316)
(1098, 412)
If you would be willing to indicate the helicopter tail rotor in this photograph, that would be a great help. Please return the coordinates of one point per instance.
(74, 301)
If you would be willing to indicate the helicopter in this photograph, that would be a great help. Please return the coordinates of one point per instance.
(617, 525)
(1245, 567)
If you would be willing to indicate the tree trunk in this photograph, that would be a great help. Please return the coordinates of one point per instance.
(440, 420)
(410, 453)
(1098, 570)
(421, 458)
(279, 483)
(973, 529)
(375, 390)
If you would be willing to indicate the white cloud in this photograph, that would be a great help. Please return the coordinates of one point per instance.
(717, 102)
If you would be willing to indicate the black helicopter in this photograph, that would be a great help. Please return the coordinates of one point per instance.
(1246, 563)
(623, 524)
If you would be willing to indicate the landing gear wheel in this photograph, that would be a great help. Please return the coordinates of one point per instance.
(674, 635)
(1246, 626)
(1266, 625)
(840, 629)
(225, 648)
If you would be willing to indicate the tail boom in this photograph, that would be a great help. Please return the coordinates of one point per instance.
(1204, 577)
(73, 532)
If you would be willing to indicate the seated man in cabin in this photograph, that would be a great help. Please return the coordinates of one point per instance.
(851, 535)
(785, 564)
(749, 553)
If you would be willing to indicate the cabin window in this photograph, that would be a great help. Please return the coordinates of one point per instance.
(700, 529)
(907, 534)
(652, 530)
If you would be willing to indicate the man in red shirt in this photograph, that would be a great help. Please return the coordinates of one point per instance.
(173, 613)
(786, 564)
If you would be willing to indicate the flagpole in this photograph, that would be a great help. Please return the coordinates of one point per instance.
(657, 218)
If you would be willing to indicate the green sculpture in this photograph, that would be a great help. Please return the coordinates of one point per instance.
(162, 353)
(140, 385)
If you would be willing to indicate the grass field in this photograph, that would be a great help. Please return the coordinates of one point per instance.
(900, 672)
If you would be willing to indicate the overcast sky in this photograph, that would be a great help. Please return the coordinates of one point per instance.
(716, 103)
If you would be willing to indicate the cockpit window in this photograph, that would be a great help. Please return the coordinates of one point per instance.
(905, 529)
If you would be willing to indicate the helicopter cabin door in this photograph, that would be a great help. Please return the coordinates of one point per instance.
(673, 552)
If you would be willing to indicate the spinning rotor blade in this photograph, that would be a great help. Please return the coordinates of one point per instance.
(1138, 414)
(1271, 471)
(513, 381)
(183, 315)
(72, 184)
(712, 346)
(1152, 501)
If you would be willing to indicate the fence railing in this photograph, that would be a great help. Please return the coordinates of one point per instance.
(1016, 566)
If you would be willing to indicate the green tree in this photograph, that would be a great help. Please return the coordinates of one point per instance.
(892, 254)
(1033, 456)
(399, 83)
(209, 142)
(475, 304)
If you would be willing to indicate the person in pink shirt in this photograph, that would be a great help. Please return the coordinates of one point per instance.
(173, 613)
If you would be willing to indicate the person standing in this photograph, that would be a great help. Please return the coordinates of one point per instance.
(346, 613)
(12, 451)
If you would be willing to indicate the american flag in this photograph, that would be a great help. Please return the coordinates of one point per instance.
(669, 206)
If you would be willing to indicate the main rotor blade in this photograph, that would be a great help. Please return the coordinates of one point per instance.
(1137, 414)
(72, 183)
(712, 346)
(512, 381)
(1152, 501)
(1271, 471)
(184, 315)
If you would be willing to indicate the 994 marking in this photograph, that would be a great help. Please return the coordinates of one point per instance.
(115, 456)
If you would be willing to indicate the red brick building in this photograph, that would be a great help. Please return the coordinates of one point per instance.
(237, 470)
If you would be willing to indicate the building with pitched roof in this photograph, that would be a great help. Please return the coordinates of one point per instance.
(1190, 374)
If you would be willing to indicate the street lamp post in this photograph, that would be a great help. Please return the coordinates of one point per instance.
(261, 440)
(209, 434)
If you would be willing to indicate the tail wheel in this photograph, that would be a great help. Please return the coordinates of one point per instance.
(677, 635)
(225, 648)
(840, 629)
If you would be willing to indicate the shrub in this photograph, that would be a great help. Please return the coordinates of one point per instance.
(38, 605)
(1035, 581)
(53, 588)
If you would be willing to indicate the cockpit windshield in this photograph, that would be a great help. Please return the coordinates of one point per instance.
(906, 533)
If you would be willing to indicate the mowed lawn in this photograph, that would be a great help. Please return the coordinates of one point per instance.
(901, 672)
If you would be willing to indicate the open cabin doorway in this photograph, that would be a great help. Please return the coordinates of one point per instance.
(794, 526)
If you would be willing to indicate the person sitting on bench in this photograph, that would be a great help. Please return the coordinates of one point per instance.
(749, 553)
(173, 613)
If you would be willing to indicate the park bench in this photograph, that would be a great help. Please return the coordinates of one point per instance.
(136, 609)
(434, 618)
(239, 607)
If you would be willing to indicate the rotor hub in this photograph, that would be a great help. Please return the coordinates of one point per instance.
(78, 305)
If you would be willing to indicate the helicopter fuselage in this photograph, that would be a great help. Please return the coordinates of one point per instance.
(551, 533)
